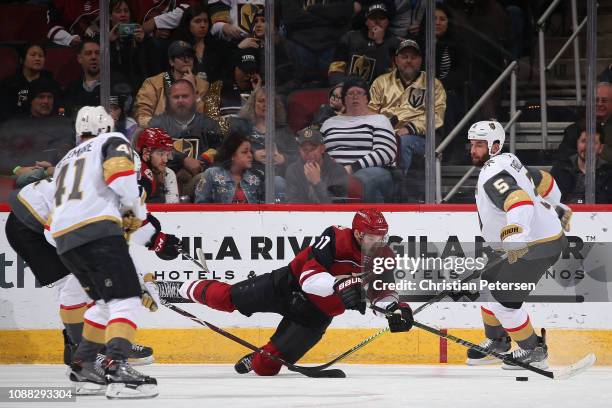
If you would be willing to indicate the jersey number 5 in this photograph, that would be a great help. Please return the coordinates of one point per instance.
(501, 186)
(75, 193)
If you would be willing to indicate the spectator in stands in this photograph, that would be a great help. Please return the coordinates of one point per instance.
(365, 53)
(14, 90)
(125, 42)
(155, 147)
(313, 31)
(69, 22)
(451, 70)
(316, 178)
(120, 102)
(196, 135)
(233, 20)
(400, 95)
(151, 98)
(603, 117)
(231, 180)
(362, 142)
(194, 29)
(86, 90)
(30, 146)
(407, 15)
(569, 173)
(226, 97)
(333, 108)
(162, 16)
(606, 75)
(254, 111)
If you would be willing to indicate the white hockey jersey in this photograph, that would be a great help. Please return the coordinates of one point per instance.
(95, 184)
(33, 204)
(512, 198)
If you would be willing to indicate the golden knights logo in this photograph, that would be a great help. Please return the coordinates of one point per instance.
(362, 66)
(189, 147)
(416, 97)
(246, 16)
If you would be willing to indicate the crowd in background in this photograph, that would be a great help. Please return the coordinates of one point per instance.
(187, 87)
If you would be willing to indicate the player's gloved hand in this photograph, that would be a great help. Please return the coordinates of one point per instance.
(514, 242)
(166, 246)
(149, 296)
(400, 318)
(565, 215)
(352, 293)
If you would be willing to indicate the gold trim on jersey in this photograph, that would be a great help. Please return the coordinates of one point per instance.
(72, 316)
(515, 197)
(31, 210)
(337, 66)
(523, 332)
(122, 330)
(545, 184)
(116, 165)
(86, 222)
(93, 333)
(489, 319)
(543, 240)
(511, 229)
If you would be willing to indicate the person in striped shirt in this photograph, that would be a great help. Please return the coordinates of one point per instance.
(364, 143)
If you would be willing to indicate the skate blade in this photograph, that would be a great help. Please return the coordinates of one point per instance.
(141, 361)
(488, 360)
(542, 365)
(88, 388)
(123, 391)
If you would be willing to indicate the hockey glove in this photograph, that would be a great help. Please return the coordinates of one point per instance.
(400, 317)
(565, 215)
(514, 242)
(352, 293)
(166, 246)
(149, 296)
(130, 222)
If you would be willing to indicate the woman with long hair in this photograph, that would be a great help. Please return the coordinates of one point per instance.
(231, 179)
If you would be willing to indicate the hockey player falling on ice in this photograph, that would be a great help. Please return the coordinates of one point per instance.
(96, 200)
(519, 213)
(321, 282)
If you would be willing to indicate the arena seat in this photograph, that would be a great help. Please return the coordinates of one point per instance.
(7, 184)
(62, 62)
(8, 67)
(23, 23)
(303, 105)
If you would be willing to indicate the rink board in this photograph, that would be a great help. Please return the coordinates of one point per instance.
(244, 239)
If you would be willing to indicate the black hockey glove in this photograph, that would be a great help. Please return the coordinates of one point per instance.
(352, 293)
(400, 319)
(165, 246)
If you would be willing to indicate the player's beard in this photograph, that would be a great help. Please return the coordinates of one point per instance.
(479, 162)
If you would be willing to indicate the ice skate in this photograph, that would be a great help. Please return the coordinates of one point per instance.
(139, 355)
(538, 357)
(499, 345)
(88, 377)
(124, 382)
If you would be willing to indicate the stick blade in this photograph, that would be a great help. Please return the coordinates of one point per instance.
(313, 373)
(576, 368)
(201, 258)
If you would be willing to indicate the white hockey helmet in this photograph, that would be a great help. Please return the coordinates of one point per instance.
(490, 131)
(91, 121)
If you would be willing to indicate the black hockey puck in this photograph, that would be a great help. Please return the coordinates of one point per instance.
(522, 378)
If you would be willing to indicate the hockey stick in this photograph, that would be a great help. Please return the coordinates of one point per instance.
(333, 373)
(562, 374)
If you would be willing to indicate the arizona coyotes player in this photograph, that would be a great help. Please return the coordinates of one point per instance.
(519, 213)
(321, 282)
(96, 200)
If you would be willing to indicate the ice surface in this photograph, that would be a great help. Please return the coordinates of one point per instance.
(431, 386)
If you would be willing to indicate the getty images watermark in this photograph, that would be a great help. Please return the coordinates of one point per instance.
(456, 265)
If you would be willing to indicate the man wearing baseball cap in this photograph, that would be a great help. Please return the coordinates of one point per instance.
(151, 98)
(400, 95)
(316, 177)
(365, 53)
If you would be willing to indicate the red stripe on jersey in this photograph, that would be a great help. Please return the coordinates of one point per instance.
(487, 311)
(72, 307)
(519, 327)
(303, 277)
(552, 183)
(91, 304)
(94, 324)
(123, 320)
(519, 204)
(119, 174)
